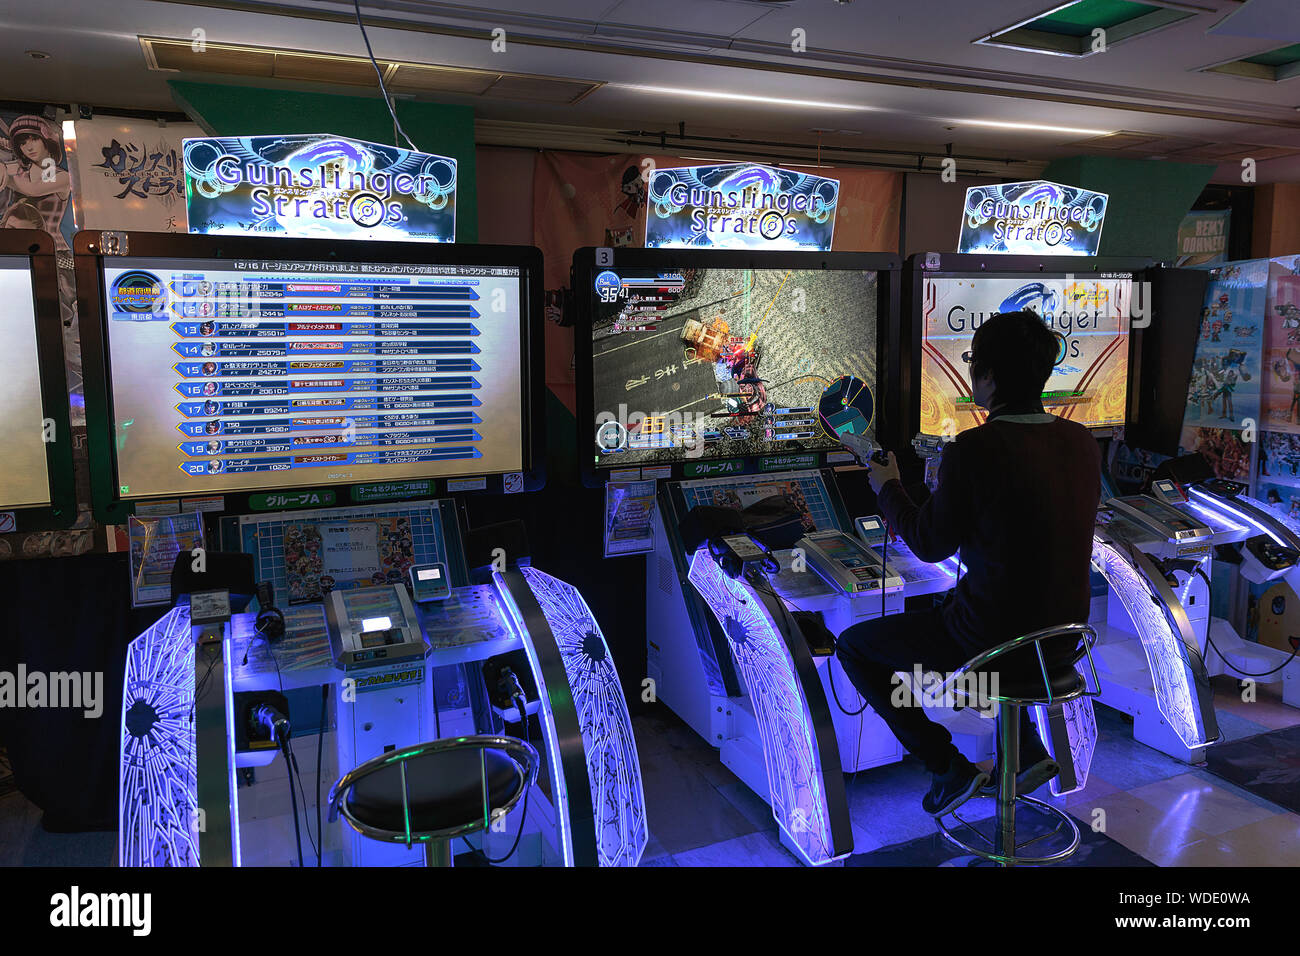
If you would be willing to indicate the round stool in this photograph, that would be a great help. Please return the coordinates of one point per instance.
(1045, 689)
(434, 792)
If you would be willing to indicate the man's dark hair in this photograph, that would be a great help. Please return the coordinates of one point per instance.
(1019, 350)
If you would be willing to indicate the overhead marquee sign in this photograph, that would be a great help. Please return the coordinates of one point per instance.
(318, 185)
(740, 206)
(1033, 218)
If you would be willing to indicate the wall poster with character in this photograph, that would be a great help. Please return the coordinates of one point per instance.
(36, 192)
(1226, 383)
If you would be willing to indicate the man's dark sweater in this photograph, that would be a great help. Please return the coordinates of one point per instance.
(1018, 496)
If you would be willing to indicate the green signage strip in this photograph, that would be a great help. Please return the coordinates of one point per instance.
(286, 500)
(706, 469)
(392, 490)
(788, 462)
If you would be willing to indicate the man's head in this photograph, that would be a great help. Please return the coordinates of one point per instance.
(1011, 358)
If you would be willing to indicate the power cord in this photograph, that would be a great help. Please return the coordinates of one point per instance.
(521, 704)
(397, 124)
(1237, 670)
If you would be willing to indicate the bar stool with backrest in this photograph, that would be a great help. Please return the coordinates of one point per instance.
(1062, 685)
(433, 792)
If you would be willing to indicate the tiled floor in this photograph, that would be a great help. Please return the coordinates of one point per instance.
(1140, 808)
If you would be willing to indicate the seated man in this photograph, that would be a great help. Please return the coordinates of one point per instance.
(1017, 497)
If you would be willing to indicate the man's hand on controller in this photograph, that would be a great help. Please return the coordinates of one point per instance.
(879, 474)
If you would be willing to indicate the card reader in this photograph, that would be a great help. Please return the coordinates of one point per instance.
(845, 564)
(429, 582)
(373, 627)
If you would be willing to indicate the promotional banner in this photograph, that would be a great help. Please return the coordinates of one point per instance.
(740, 206)
(1225, 385)
(584, 200)
(318, 185)
(1032, 218)
(129, 174)
(1203, 238)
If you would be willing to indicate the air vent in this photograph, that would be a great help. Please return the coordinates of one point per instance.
(1273, 66)
(1068, 29)
(179, 55)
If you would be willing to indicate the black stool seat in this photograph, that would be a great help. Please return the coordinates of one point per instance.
(435, 791)
(1064, 682)
(445, 790)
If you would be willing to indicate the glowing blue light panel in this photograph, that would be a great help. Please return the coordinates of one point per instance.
(617, 796)
(790, 753)
(158, 783)
(1171, 677)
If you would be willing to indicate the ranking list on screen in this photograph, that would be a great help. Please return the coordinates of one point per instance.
(343, 372)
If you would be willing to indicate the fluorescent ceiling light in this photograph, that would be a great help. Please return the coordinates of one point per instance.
(1090, 131)
(741, 97)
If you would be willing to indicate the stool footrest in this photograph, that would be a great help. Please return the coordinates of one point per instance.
(1064, 823)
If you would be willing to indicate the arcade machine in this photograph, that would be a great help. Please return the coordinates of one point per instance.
(733, 378)
(323, 408)
(1151, 607)
(37, 487)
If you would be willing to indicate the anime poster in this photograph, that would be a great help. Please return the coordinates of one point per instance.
(1223, 448)
(356, 552)
(36, 193)
(1203, 238)
(1282, 346)
(1224, 389)
(130, 174)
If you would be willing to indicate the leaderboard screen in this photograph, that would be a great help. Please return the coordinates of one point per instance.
(230, 375)
(24, 479)
(1089, 384)
(719, 363)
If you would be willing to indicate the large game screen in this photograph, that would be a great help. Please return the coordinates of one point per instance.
(244, 375)
(1089, 384)
(719, 363)
(24, 478)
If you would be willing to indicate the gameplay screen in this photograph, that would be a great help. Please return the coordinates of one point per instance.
(1089, 384)
(24, 479)
(718, 363)
(246, 375)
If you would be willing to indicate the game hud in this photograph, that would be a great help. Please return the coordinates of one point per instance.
(238, 376)
(1089, 384)
(717, 363)
(24, 479)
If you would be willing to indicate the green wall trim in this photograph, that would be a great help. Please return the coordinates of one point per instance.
(1148, 199)
(226, 110)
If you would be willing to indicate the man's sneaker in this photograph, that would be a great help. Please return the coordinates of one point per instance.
(1028, 780)
(951, 789)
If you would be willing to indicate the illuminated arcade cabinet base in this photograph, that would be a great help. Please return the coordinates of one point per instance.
(588, 807)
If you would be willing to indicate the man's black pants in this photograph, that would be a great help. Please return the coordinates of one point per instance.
(872, 651)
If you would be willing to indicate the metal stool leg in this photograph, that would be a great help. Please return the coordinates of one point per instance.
(437, 853)
(1008, 750)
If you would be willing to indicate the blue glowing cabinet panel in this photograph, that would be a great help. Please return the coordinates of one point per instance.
(1171, 675)
(613, 769)
(157, 795)
(790, 750)
(318, 185)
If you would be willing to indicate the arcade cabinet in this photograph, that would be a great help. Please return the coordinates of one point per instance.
(324, 408)
(732, 379)
(37, 487)
(1151, 603)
